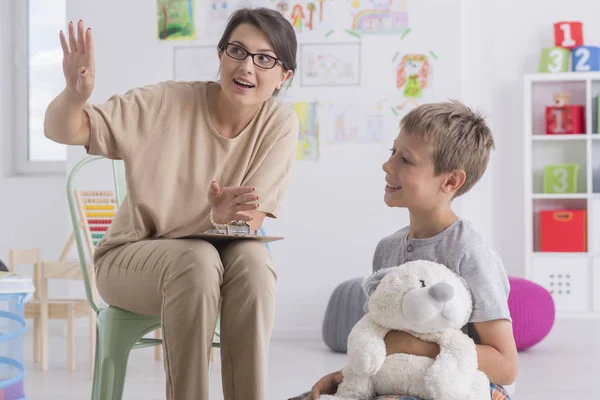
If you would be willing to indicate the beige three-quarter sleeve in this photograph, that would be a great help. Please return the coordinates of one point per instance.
(120, 125)
(272, 177)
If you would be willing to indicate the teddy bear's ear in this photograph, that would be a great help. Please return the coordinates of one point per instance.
(371, 283)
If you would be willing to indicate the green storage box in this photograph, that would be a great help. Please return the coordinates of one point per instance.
(560, 178)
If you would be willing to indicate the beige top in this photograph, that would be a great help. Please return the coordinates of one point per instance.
(172, 152)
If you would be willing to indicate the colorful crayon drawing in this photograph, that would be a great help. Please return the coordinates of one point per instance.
(302, 14)
(352, 123)
(334, 64)
(412, 75)
(382, 16)
(175, 19)
(308, 137)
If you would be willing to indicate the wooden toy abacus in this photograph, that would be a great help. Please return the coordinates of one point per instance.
(96, 212)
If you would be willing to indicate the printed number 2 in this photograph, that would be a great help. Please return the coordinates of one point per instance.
(582, 63)
(561, 178)
(557, 60)
(568, 40)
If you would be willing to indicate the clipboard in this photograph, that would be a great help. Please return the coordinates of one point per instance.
(225, 237)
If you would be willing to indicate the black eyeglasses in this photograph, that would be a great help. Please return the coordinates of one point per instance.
(263, 61)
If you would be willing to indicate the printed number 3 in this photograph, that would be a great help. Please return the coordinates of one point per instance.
(557, 60)
(582, 63)
(561, 179)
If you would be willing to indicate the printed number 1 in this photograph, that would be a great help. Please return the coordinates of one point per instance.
(559, 122)
(582, 63)
(568, 40)
(561, 178)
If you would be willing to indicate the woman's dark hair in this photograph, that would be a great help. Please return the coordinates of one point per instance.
(276, 28)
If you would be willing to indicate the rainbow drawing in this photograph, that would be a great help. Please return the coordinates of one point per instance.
(380, 21)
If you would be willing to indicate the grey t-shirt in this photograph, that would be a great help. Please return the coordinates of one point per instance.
(464, 251)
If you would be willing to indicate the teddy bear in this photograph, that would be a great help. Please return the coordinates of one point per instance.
(429, 301)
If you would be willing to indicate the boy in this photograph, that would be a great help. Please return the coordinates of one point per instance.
(442, 150)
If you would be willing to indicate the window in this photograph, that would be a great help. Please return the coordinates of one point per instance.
(39, 78)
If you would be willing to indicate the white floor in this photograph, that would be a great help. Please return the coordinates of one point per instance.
(565, 365)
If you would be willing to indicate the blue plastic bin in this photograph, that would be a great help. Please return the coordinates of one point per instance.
(12, 329)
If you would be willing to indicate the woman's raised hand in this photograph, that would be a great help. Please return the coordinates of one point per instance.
(228, 202)
(78, 61)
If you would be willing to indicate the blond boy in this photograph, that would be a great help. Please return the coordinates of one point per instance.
(441, 152)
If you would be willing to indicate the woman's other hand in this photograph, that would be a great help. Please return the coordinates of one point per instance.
(78, 61)
(229, 203)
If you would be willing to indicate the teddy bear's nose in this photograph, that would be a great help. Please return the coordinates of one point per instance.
(441, 292)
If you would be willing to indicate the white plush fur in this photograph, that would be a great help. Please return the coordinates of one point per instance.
(432, 303)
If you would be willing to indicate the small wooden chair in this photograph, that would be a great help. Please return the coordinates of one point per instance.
(42, 308)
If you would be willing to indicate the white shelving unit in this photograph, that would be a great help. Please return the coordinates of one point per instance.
(572, 278)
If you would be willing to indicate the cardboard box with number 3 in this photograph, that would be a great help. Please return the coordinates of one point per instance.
(555, 59)
(560, 178)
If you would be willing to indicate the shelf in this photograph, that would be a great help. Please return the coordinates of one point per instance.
(562, 196)
(562, 76)
(544, 137)
(579, 271)
(564, 254)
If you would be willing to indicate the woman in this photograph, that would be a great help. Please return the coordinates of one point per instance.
(197, 155)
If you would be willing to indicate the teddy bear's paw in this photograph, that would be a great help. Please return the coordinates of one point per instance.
(363, 363)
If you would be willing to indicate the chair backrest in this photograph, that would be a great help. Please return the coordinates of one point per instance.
(74, 212)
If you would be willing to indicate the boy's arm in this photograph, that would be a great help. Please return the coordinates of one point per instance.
(496, 355)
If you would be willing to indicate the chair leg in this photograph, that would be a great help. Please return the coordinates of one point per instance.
(71, 336)
(115, 341)
(158, 349)
(44, 336)
(36, 340)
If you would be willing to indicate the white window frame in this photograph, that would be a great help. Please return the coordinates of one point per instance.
(22, 164)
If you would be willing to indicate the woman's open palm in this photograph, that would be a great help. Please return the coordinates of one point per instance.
(228, 203)
(78, 60)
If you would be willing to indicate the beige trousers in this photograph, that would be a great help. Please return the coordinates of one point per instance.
(186, 281)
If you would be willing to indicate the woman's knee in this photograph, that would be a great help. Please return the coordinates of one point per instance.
(195, 265)
(250, 264)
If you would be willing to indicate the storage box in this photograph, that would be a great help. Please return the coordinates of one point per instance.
(564, 120)
(563, 231)
(560, 178)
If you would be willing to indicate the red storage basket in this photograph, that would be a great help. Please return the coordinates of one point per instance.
(563, 231)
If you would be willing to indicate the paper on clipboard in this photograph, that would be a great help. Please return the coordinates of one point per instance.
(224, 237)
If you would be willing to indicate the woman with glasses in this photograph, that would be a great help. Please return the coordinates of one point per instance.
(198, 156)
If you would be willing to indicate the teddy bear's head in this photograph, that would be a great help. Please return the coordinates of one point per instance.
(418, 296)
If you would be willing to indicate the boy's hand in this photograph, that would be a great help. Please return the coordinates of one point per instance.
(326, 385)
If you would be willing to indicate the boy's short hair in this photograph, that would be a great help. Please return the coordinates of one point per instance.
(459, 138)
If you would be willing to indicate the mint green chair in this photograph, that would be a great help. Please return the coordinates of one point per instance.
(118, 331)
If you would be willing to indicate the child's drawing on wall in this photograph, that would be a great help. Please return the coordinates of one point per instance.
(412, 75)
(298, 17)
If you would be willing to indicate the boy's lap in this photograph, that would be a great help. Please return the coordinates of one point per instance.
(497, 392)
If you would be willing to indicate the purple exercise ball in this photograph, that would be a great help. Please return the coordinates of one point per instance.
(532, 310)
